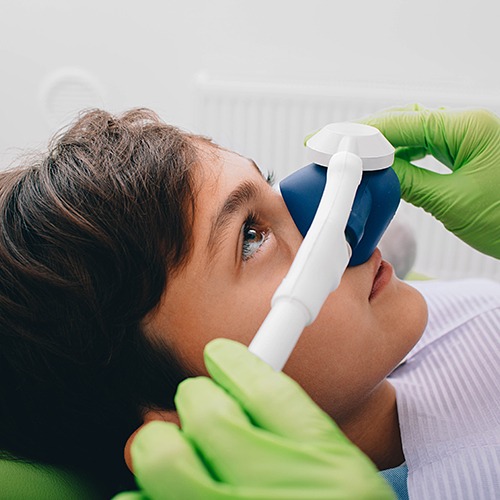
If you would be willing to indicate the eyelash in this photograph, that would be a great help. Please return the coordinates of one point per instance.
(251, 222)
(271, 178)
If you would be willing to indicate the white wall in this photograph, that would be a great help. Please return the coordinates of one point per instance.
(146, 53)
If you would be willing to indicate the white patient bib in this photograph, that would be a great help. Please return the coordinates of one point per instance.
(448, 394)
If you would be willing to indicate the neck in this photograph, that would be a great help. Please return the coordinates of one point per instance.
(374, 428)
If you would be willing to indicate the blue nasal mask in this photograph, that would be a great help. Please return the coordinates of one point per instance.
(341, 203)
(375, 204)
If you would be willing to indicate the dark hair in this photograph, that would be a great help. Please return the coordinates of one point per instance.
(89, 236)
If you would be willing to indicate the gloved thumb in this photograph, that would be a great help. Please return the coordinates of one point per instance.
(421, 187)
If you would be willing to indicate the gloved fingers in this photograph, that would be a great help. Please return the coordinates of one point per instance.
(240, 454)
(273, 400)
(226, 438)
(167, 466)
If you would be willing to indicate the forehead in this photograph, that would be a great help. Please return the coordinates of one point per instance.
(220, 171)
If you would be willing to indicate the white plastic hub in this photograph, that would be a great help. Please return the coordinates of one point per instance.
(373, 148)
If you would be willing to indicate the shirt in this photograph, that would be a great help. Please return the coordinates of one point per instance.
(448, 394)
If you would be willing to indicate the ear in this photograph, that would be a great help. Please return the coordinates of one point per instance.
(149, 416)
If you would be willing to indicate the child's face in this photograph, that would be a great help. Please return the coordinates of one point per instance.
(244, 244)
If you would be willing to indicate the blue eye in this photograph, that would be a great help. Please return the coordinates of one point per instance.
(253, 238)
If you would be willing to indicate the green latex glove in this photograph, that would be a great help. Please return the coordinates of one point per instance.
(249, 433)
(466, 201)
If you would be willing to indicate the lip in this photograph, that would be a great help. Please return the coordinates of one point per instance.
(382, 274)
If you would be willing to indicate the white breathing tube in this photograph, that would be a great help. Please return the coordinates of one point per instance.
(347, 149)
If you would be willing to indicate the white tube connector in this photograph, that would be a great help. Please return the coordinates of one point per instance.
(279, 332)
(317, 268)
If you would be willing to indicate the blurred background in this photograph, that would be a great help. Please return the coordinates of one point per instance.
(256, 76)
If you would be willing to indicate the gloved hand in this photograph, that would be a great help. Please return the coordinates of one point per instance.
(249, 433)
(467, 201)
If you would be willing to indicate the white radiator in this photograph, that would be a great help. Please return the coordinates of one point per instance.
(268, 123)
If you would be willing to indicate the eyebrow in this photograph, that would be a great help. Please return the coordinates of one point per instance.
(244, 193)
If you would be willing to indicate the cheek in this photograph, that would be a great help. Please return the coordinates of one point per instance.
(235, 306)
(223, 309)
(354, 344)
